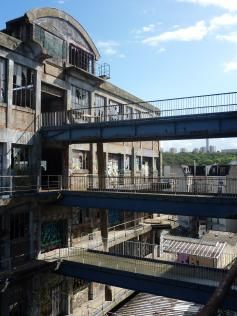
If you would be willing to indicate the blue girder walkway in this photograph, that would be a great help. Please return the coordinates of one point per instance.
(178, 204)
(166, 128)
(168, 279)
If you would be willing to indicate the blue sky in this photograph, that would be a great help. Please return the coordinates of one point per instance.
(158, 48)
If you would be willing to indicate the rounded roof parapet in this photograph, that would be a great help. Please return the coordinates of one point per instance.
(38, 13)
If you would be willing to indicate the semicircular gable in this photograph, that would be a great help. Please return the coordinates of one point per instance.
(63, 25)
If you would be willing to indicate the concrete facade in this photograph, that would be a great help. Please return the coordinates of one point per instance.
(48, 64)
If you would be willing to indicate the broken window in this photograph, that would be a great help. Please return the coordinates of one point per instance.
(80, 98)
(24, 86)
(81, 59)
(128, 163)
(114, 111)
(80, 160)
(99, 107)
(138, 163)
(129, 113)
(20, 158)
(2, 80)
(55, 46)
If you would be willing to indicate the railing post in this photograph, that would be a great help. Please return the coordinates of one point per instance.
(11, 185)
(38, 183)
(60, 182)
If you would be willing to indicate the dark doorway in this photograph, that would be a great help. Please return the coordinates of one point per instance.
(52, 159)
(52, 99)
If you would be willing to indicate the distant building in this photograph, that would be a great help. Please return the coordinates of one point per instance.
(212, 149)
(173, 150)
(183, 150)
(203, 149)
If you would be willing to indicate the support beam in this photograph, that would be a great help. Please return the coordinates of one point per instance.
(168, 128)
(179, 204)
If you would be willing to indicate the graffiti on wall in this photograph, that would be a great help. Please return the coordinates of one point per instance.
(53, 235)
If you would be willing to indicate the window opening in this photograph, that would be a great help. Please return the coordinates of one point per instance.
(23, 86)
(99, 107)
(20, 158)
(80, 160)
(114, 111)
(81, 59)
(80, 98)
(2, 80)
(138, 163)
(128, 163)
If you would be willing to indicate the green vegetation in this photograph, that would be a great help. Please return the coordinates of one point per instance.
(200, 158)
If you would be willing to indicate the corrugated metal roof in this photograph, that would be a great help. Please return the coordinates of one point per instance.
(192, 246)
(148, 305)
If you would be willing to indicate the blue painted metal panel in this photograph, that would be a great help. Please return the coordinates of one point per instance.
(206, 206)
(143, 283)
(171, 128)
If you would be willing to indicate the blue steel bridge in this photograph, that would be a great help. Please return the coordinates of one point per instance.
(159, 277)
(205, 116)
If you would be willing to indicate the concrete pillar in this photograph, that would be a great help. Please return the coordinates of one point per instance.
(103, 212)
(38, 96)
(161, 164)
(91, 291)
(7, 159)
(68, 100)
(122, 170)
(101, 165)
(133, 173)
(9, 92)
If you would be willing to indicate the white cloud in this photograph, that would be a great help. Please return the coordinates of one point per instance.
(146, 29)
(230, 5)
(191, 33)
(161, 50)
(232, 37)
(223, 20)
(230, 66)
(110, 48)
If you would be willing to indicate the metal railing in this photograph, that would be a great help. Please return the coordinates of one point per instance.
(10, 185)
(193, 185)
(195, 105)
(137, 249)
(189, 185)
(116, 234)
(163, 269)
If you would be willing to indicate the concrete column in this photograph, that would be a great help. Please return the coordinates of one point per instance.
(68, 101)
(38, 96)
(101, 165)
(7, 159)
(122, 164)
(9, 92)
(91, 291)
(161, 164)
(103, 212)
(133, 173)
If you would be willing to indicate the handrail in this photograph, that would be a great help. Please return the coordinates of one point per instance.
(163, 108)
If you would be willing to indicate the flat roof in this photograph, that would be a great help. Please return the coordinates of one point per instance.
(192, 246)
